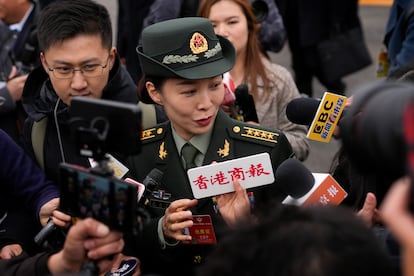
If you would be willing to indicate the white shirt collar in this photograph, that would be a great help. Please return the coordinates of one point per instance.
(19, 26)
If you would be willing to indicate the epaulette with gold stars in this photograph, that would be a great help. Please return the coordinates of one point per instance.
(153, 134)
(255, 134)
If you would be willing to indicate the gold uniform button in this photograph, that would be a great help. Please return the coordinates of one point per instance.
(197, 259)
(236, 129)
(159, 131)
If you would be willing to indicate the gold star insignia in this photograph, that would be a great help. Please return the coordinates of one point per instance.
(223, 152)
(147, 134)
(162, 153)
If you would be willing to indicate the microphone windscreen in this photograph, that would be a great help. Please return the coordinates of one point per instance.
(294, 178)
(153, 178)
(242, 94)
(301, 111)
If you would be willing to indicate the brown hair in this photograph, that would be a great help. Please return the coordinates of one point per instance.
(256, 67)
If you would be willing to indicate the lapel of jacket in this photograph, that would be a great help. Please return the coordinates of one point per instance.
(221, 146)
(175, 177)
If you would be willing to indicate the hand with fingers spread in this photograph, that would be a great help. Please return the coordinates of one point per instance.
(177, 217)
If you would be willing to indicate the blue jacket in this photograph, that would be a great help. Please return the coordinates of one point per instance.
(23, 185)
(399, 37)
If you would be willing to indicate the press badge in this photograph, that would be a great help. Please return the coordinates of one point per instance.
(202, 231)
(119, 169)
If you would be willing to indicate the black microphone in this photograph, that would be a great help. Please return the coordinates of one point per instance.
(40, 238)
(294, 178)
(301, 111)
(151, 182)
(306, 188)
(245, 103)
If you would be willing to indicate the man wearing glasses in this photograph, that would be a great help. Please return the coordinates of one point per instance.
(75, 39)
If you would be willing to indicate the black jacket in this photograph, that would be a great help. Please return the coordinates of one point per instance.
(23, 265)
(159, 151)
(310, 22)
(22, 50)
(39, 100)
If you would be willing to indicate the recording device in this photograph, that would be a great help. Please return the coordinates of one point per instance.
(377, 132)
(260, 10)
(372, 131)
(321, 116)
(244, 104)
(294, 178)
(108, 200)
(306, 188)
(151, 182)
(302, 110)
(101, 126)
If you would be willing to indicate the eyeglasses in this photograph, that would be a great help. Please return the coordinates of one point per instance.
(88, 70)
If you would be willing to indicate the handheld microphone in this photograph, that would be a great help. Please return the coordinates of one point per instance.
(301, 111)
(306, 188)
(41, 237)
(151, 182)
(245, 103)
(322, 116)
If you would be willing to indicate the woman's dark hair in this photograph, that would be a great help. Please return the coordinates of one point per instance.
(142, 90)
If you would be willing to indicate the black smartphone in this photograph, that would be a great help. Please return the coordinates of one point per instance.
(106, 199)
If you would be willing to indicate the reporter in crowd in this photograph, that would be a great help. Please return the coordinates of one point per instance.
(271, 85)
(87, 240)
(185, 77)
(23, 182)
(18, 55)
(75, 39)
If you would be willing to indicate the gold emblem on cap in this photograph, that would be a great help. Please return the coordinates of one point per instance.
(162, 153)
(198, 43)
(223, 152)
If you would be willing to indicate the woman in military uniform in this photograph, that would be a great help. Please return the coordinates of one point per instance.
(183, 61)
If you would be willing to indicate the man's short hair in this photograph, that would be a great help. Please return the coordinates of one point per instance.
(297, 241)
(65, 19)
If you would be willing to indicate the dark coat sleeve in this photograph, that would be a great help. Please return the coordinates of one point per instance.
(24, 265)
(22, 178)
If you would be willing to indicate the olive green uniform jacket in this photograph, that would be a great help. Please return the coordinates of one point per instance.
(230, 139)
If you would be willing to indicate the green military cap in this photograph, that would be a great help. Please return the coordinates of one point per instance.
(185, 48)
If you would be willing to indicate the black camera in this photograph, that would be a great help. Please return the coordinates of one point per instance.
(99, 127)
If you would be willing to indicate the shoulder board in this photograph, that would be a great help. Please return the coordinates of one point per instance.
(254, 134)
(153, 134)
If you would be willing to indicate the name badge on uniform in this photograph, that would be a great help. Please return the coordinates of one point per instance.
(202, 231)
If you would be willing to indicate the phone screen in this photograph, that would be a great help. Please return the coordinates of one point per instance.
(106, 199)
